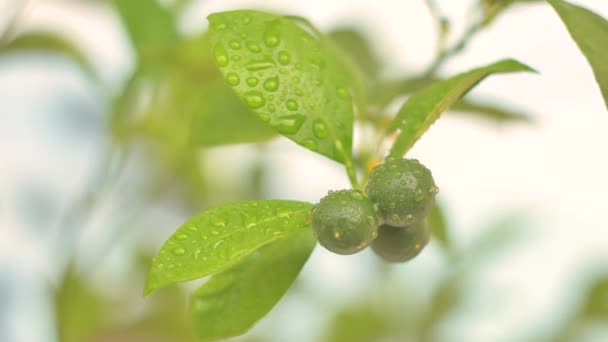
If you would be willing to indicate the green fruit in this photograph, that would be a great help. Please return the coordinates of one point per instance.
(396, 244)
(345, 221)
(403, 190)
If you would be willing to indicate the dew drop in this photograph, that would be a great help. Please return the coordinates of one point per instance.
(264, 117)
(289, 124)
(271, 39)
(271, 83)
(217, 244)
(252, 81)
(291, 104)
(178, 251)
(233, 79)
(253, 47)
(319, 129)
(419, 195)
(235, 45)
(284, 57)
(236, 58)
(259, 64)
(409, 219)
(271, 108)
(299, 92)
(356, 195)
(310, 144)
(182, 236)
(254, 99)
(342, 92)
(221, 57)
(221, 26)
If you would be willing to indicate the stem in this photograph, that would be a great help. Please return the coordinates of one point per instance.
(352, 174)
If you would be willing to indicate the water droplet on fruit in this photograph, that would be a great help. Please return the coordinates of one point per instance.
(254, 99)
(356, 195)
(182, 236)
(235, 45)
(291, 104)
(233, 79)
(319, 129)
(252, 81)
(271, 83)
(409, 219)
(284, 57)
(178, 251)
(221, 57)
(419, 195)
(289, 124)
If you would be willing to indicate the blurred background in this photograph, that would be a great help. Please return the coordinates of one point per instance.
(110, 139)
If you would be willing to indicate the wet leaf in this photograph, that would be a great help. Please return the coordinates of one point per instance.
(590, 32)
(424, 107)
(234, 300)
(288, 78)
(222, 236)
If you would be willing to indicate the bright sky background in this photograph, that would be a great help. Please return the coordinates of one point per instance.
(556, 171)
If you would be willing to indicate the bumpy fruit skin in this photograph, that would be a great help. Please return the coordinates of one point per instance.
(345, 221)
(403, 190)
(396, 244)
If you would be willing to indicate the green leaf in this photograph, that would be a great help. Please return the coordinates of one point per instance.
(80, 310)
(356, 45)
(288, 78)
(218, 238)
(424, 107)
(151, 27)
(234, 300)
(47, 42)
(490, 111)
(596, 303)
(590, 32)
(221, 118)
(438, 226)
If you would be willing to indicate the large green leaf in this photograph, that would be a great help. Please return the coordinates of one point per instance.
(590, 32)
(288, 78)
(218, 238)
(424, 107)
(438, 226)
(234, 300)
(356, 45)
(221, 118)
(48, 42)
(596, 303)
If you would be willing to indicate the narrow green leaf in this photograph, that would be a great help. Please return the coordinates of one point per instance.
(151, 27)
(490, 111)
(218, 238)
(424, 107)
(288, 78)
(438, 226)
(48, 42)
(234, 300)
(590, 32)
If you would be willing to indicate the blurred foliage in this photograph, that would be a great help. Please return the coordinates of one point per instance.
(175, 104)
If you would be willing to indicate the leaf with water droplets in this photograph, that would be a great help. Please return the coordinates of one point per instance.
(424, 107)
(234, 300)
(220, 237)
(590, 32)
(294, 81)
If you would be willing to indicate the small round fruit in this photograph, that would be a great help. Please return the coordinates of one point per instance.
(395, 244)
(345, 221)
(403, 190)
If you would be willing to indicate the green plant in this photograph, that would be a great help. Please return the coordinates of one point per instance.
(311, 88)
